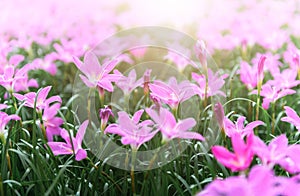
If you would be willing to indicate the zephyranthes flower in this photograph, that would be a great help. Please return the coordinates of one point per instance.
(71, 145)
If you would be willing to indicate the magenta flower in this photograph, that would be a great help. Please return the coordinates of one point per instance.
(4, 120)
(41, 101)
(234, 185)
(3, 106)
(171, 129)
(95, 74)
(292, 159)
(214, 84)
(285, 80)
(271, 63)
(260, 69)
(248, 75)
(239, 128)
(172, 93)
(62, 148)
(138, 52)
(220, 115)
(242, 156)
(272, 94)
(132, 131)
(104, 114)
(273, 153)
(201, 52)
(128, 84)
(292, 117)
(260, 181)
(47, 63)
(15, 80)
(231, 128)
(51, 122)
(146, 77)
(180, 61)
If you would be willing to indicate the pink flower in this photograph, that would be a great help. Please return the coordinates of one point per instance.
(41, 99)
(292, 159)
(260, 181)
(238, 128)
(201, 52)
(104, 114)
(272, 94)
(128, 84)
(138, 52)
(260, 69)
(95, 74)
(51, 122)
(180, 61)
(172, 93)
(292, 117)
(220, 115)
(132, 131)
(214, 84)
(3, 106)
(248, 75)
(285, 80)
(229, 127)
(4, 120)
(271, 63)
(15, 80)
(242, 156)
(274, 152)
(171, 129)
(62, 148)
(47, 63)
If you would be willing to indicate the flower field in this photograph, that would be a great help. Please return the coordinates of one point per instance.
(150, 98)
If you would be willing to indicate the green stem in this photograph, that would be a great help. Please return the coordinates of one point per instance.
(126, 103)
(273, 117)
(257, 107)
(42, 125)
(1, 186)
(133, 158)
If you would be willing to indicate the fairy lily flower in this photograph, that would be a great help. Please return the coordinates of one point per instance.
(172, 93)
(272, 94)
(180, 61)
(231, 128)
(63, 148)
(242, 156)
(104, 114)
(214, 84)
(3, 106)
(51, 122)
(260, 71)
(128, 84)
(4, 120)
(292, 159)
(41, 101)
(95, 74)
(248, 75)
(132, 131)
(146, 81)
(285, 80)
(260, 181)
(273, 153)
(220, 115)
(292, 117)
(47, 63)
(239, 128)
(201, 52)
(15, 80)
(171, 129)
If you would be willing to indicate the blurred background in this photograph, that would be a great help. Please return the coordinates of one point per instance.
(222, 24)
